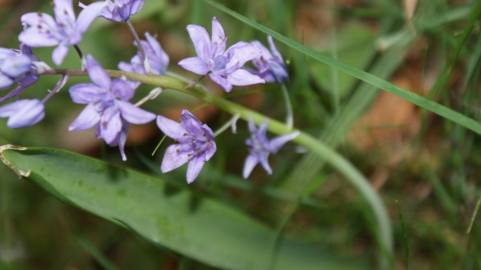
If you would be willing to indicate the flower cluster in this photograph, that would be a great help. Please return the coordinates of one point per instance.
(108, 101)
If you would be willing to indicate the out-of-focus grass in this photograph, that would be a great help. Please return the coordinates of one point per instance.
(430, 182)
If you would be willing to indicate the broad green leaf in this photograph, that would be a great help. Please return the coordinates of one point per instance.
(366, 77)
(199, 228)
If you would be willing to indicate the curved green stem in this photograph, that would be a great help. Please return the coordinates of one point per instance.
(330, 156)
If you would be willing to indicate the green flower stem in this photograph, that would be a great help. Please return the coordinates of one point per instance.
(330, 156)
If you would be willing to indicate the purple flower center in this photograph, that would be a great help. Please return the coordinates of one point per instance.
(220, 62)
(195, 144)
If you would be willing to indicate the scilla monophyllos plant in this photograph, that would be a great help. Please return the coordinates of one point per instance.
(109, 107)
(108, 96)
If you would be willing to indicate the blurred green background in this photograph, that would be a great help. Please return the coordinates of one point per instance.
(426, 169)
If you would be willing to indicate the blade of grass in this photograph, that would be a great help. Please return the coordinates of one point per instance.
(333, 52)
(473, 216)
(96, 254)
(371, 79)
(405, 235)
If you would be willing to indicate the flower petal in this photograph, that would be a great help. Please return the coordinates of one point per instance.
(170, 128)
(221, 81)
(33, 19)
(39, 29)
(122, 141)
(218, 37)
(249, 165)
(96, 73)
(200, 40)
(242, 77)
(195, 65)
(190, 123)
(277, 143)
(88, 118)
(173, 158)
(158, 51)
(134, 114)
(63, 11)
(122, 89)
(59, 54)
(88, 15)
(212, 148)
(84, 93)
(274, 50)
(33, 38)
(265, 163)
(5, 81)
(241, 53)
(194, 168)
(110, 125)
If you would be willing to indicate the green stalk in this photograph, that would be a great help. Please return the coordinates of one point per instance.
(384, 235)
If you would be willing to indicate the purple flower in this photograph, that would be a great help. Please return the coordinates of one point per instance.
(270, 64)
(195, 144)
(260, 147)
(223, 66)
(16, 66)
(42, 30)
(23, 113)
(121, 10)
(107, 107)
(157, 59)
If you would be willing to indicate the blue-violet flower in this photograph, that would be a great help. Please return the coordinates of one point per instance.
(270, 64)
(42, 30)
(195, 144)
(107, 107)
(224, 67)
(260, 147)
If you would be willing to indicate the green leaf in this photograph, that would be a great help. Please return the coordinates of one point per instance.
(371, 79)
(200, 228)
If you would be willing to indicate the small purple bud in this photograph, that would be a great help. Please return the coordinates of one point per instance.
(23, 113)
(195, 144)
